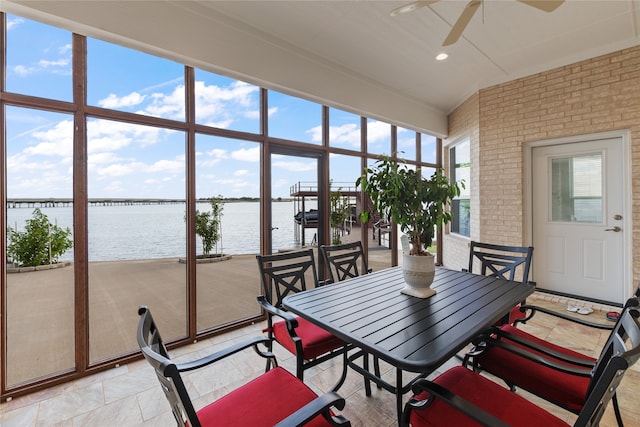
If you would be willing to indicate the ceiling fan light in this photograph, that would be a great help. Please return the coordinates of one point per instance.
(411, 7)
(442, 56)
(404, 9)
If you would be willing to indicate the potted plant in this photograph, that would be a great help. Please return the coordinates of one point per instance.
(418, 205)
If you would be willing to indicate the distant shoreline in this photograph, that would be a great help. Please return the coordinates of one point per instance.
(53, 202)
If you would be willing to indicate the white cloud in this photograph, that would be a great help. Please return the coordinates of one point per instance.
(247, 154)
(121, 169)
(13, 23)
(23, 71)
(221, 105)
(60, 65)
(241, 172)
(175, 166)
(62, 50)
(45, 63)
(295, 166)
(348, 134)
(113, 101)
(107, 136)
(378, 132)
(55, 141)
(103, 158)
(168, 105)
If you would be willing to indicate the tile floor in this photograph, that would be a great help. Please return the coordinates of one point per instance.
(130, 395)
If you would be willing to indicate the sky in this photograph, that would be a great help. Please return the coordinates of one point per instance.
(133, 161)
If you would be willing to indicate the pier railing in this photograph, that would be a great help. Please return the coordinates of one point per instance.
(66, 202)
(301, 188)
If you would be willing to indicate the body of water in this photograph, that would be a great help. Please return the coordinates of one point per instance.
(159, 231)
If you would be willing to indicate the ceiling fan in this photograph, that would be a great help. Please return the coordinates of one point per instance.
(468, 12)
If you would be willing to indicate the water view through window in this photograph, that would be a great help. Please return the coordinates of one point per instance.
(131, 171)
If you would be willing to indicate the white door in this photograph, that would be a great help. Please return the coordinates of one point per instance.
(578, 222)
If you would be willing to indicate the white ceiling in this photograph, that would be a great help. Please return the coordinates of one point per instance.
(353, 54)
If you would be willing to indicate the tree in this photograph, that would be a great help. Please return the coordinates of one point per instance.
(208, 224)
(40, 243)
(340, 211)
(417, 204)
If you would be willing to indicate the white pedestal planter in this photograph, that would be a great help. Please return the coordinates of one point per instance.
(418, 274)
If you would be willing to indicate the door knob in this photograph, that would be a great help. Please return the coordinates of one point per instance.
(615, 229)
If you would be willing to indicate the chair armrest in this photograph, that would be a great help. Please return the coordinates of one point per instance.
(291, 320)
(320, 405)
(219, 355)
(535, 308)
(452, 399)
(582, 366)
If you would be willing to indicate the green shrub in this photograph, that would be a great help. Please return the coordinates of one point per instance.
(40, 243)
(208, 225)
(340, 211)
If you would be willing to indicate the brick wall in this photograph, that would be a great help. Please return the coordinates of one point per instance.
(596, 95)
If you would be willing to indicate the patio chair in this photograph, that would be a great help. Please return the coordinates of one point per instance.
(555, 373)
(282, 274)
(274, 398)
(502, 262)
(461, 395)
(343, 261)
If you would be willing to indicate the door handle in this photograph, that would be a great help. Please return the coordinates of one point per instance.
(615, 229)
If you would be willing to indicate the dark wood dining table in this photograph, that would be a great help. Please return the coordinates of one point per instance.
(412, 334)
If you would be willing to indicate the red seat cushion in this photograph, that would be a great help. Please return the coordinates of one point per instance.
(489, 396)
(516, 314)
(315, 340)
(265, 401)
(566, 390)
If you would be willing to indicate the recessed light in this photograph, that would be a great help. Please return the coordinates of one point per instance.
(442, 56)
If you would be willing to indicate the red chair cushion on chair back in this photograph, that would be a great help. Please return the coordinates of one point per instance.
(265, 401)
(491, 397)
(566, 390)
(315, 340)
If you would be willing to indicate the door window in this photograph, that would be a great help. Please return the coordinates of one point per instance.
(576, 188)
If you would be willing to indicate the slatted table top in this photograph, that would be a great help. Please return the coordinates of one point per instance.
(412, 334)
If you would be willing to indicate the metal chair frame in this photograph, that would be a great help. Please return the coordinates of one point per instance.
(621, 351)
(169, 375)
(283, 274)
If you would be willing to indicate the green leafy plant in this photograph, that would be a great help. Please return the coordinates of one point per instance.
(416, 204)
(340, 211)
(40, 243)
(208, 224)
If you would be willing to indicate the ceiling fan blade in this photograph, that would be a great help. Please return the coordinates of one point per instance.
(461, 23)
(410, 7)
(544, 5)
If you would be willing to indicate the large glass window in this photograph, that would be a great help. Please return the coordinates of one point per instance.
(294, 118)
(227, 194)
(294, 207)
(344, 130)
(344, 223)
(136, 172)
(429, 148)
(378, 137)
(460, 167)
(128, 80)
(226, 103)
(38, 59)
(40, 284)
(137, 232)
(406, 143)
